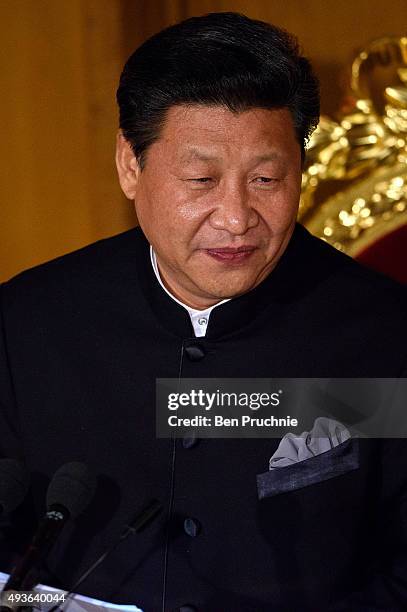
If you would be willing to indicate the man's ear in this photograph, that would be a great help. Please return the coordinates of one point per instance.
(127, 166)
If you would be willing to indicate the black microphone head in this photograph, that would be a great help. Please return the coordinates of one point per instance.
(14, 483)
(72, 487)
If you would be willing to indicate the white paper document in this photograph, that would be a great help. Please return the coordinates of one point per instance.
(79, 603)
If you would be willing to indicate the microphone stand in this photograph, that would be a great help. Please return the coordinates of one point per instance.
(25, 577)
(141, 521)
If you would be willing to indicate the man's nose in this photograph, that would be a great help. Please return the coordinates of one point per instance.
(234, 212)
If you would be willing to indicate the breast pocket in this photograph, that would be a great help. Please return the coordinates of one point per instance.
(335, 462)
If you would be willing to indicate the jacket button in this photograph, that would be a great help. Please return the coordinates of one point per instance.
(195, 352)
(192, 527)
(190, 440)
(188, 608)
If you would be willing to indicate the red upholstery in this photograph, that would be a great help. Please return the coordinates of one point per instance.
(388, 255)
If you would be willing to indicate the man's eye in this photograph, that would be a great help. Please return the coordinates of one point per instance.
(264, 179)
(265, 182)
(203, 179)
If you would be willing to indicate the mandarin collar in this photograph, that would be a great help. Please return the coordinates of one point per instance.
(280, 285)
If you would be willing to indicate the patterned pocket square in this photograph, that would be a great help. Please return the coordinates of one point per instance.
(325, 452)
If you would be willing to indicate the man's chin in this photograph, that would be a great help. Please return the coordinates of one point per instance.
(221, 292)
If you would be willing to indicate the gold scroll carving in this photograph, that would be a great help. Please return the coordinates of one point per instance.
(354, 186)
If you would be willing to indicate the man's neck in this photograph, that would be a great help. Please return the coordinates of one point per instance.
(186, 303)
(199, 316)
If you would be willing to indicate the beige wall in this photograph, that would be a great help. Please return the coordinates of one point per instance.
(60, 61)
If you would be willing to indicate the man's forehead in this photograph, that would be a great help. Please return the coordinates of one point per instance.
(204, 133)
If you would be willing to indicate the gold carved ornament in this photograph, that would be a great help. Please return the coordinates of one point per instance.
(354, 186)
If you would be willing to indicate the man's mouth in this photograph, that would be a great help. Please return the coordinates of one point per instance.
(231, 254)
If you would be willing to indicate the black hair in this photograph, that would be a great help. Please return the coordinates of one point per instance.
(223, 59)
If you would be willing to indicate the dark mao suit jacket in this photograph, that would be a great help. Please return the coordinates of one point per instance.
(83, 339)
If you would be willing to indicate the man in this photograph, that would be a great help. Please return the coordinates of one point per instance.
(218, 281)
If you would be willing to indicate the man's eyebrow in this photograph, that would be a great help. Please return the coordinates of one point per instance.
(193, 154)
(197, 154)
(272, 156)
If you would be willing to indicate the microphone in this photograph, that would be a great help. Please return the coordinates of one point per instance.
(14, 483)
(69, 492)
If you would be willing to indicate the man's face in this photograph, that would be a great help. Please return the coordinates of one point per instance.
(217, 198)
